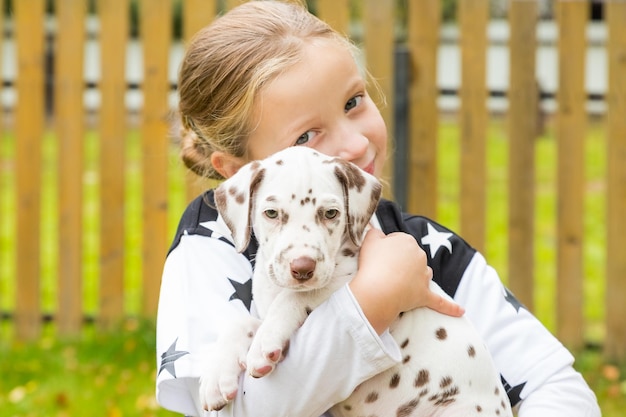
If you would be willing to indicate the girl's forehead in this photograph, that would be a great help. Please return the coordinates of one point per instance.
(319, 60)
(325, 71)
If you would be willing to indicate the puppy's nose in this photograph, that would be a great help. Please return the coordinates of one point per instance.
(302, 268)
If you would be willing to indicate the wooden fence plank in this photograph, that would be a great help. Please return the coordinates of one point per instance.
(196, 15)
(571, 125)
(2, 37)
(29, 127)
(114, 28)
(473, 20)
(378, 42)
(615, 343)
(156, 38)
(522, 115)
(336, 13)
(69, 122)
(230, 4)
(424, 20)
(3, 211)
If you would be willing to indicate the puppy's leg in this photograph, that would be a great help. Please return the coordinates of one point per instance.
(284, 316)
(225, 362)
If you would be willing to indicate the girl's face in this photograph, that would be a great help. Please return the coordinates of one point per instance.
(322, 103)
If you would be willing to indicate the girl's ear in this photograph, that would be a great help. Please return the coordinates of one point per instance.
(226, 164)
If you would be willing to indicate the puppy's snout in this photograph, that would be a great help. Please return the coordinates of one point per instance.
(302, 268)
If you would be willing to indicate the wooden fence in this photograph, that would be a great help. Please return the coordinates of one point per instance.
(423, 21)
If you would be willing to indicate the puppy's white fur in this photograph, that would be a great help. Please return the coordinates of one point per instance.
(308, 212)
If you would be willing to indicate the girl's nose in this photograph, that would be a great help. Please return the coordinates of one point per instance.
(351, 145)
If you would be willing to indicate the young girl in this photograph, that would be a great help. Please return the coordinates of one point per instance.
(269, 75)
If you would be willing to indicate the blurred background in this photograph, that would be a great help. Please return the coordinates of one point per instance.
(508, 124)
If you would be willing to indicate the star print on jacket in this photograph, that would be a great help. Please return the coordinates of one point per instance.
(217, 230)
(510, 298)
(449, 255)
(514, 393)
(436, 239)
(200, 218)
(170, 356)
(243, 292)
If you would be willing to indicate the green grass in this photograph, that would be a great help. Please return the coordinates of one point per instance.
(97, 375)
(113, 374)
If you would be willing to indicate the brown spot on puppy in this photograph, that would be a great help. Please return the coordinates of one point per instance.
(471, 351)
(441, 333)
(395, 381)
(371, 397)
(406, 409)
(423, 377)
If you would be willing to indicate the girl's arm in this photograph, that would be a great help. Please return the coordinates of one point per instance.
(537, 369)
(204, 283)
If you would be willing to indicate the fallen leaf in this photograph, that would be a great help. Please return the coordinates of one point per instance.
(62, 400)
(130, 345)
(610, 372)
(146, 402)
(114, 412)
(17, 394)
(613, 391)
(131, 325)
(144, 367)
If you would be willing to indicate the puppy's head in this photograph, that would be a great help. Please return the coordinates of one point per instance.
(303, 207)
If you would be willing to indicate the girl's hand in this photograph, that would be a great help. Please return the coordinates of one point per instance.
(394, 277)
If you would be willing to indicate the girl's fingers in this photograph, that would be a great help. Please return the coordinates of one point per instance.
(444, 306)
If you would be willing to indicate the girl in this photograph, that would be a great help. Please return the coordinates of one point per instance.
(269, 75)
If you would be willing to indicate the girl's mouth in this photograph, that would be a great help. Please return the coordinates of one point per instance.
(370, 168)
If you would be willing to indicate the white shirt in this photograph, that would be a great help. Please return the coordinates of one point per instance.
(206, 283)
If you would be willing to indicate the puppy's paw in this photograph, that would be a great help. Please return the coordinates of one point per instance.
(260, 366)
(225, 361)
(264, 354)
(218, 387)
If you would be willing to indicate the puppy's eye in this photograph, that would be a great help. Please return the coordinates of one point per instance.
(331, 214)
(271, 213)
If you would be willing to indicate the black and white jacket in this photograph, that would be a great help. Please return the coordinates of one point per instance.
(206, 282)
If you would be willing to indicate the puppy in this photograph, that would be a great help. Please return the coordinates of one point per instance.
(309, 213)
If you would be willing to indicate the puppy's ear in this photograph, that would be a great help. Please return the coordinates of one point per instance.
(234, 200)
(361, 192)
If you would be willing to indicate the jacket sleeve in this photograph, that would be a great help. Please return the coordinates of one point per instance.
(205, 284)
(537, 370)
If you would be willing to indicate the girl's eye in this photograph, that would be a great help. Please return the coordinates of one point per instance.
(271, 213)
(305, 138)
(352, 103)
(331, 214)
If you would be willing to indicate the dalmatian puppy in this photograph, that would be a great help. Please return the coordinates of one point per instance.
(309, 213)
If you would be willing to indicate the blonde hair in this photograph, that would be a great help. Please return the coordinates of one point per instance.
(225, 67)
